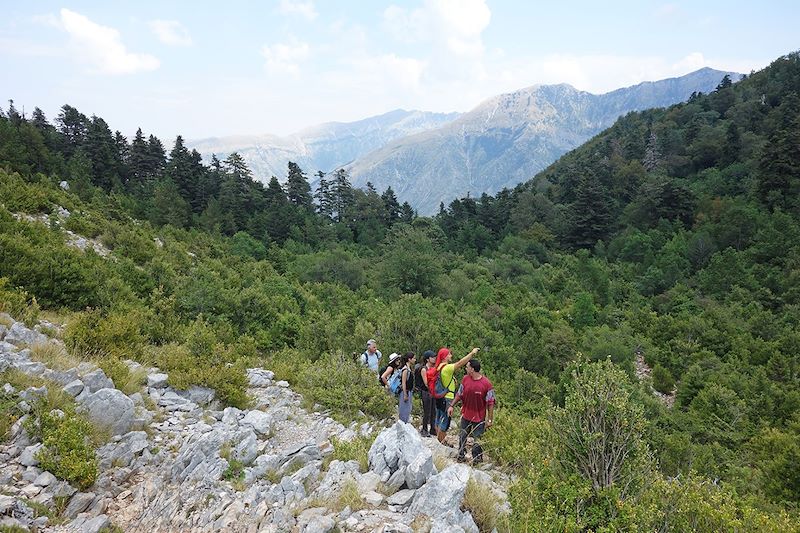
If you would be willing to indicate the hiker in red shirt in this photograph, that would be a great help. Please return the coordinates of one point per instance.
(477, 396)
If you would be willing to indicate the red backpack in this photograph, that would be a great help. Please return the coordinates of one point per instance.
(435, 385)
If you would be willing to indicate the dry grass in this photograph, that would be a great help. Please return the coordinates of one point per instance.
(349, 496)
(441, 462)
(484, 505)
(420, 524)
(54, 356)
(133, 382)
(5, 320)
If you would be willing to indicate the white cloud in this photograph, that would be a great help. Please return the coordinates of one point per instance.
(455, 24)
(170, 32)
(669, 11)
(101, 47)
(293, 7)
(285, 57)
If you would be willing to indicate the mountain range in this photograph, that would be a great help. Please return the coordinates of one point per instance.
(432, 158)
(323, 147)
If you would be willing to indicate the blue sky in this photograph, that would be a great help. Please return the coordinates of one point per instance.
(202, 69)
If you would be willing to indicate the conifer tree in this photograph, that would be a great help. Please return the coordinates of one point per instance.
(72, 124)
(101, 149)
(342, 194)
(323, 197)
(297, 188)
(391, 207)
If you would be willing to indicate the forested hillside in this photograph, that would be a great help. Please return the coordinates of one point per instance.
(672, 236)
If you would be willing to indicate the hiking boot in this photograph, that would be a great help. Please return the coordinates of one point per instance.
(424, 434)
(461, 459)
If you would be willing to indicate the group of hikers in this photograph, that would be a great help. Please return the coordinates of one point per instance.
(434, 380)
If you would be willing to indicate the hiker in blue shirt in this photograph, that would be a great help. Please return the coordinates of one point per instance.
(371, 356)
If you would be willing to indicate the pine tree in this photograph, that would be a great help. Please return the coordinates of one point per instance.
(391, 207)
(180, 170)
(342, 194)
(101, 149)
(323, 197)
(157, 156)
(591, 214)
(297, 188)
(122, 152)
(73, 126)
(406, 213)
(278, 221)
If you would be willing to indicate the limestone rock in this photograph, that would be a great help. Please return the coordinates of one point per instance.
(79, 503)
(45, 479)
(441, 497)
(258, 420)
(258, 377)
(28, 456)
(157, 381)
(74, 388)
(96, 380)
(18, 335)
(400, 447)
(110, 408)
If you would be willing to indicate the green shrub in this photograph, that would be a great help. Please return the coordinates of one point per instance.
(18, 196)
(84, 224)
(356, 449)
(336, 382)
(124, 378)
(18, 303)
(95, 333)
(9, 413)
(663, 380)
(228, 381)
(67, 451)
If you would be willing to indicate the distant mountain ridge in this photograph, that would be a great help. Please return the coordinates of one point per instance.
(323, 147)
(507, 139)
(428, 158)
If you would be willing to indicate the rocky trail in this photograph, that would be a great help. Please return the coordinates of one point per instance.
(184, 464)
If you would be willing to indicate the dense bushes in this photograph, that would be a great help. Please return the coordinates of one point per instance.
(67, 450)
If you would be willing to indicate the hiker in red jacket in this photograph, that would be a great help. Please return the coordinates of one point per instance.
(477, 396)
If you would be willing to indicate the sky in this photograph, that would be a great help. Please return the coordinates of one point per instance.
(208, 69)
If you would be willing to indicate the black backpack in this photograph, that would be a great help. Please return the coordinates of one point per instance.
(419, 385)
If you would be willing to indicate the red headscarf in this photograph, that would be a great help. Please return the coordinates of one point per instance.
(441, 356)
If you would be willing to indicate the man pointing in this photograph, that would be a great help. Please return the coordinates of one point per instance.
(477, 396)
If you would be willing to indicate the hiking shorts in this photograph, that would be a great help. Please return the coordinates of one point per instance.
(442, 420)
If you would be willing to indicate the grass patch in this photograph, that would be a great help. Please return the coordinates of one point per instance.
(349, 496)
(484, 505)
(127, 380)
(54, 356)
(40, 509)
(356, 449)
(18, 303)
(9, 414)
(441, 462)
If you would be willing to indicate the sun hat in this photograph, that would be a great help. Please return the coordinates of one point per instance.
(393, 356)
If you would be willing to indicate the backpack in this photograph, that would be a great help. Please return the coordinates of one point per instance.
(436, 388)
(380, 375)
(419, 385)
(396, 381)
